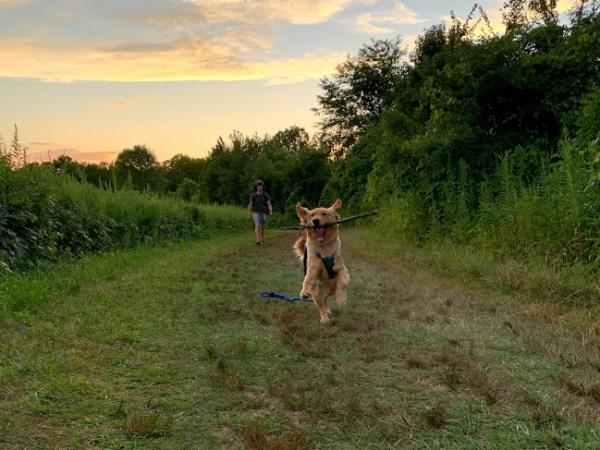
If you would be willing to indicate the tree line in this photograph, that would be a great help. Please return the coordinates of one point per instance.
(293, 167)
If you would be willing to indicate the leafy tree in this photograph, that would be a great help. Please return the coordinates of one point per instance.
(138, 159)
(140, 166)
(98, 174)
(354, 97)
(521, 13)
(292, 139)
(181, 167)
(63, 164)
(188, 189)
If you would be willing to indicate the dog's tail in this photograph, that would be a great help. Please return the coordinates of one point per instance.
(299, 247)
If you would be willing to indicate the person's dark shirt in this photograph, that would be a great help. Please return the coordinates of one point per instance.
(260, 202)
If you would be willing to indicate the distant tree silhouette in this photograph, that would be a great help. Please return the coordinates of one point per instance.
(139, 167)
(355, 96)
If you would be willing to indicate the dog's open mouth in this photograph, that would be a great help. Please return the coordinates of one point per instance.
(320, 232)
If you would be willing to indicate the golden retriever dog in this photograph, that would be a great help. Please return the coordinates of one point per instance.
(321, 251)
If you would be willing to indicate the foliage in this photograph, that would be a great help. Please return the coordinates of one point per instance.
(292, 169)
(490, 140)
(44, 216)
(137, 167)
(188, 189)
(355, 96)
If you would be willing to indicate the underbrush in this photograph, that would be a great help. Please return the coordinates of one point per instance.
(542, 237)
(45, 217)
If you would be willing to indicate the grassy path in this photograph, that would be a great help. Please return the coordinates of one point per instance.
(172, 349)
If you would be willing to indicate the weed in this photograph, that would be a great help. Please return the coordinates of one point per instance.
(255, 438)
(436, 416)
(141, 423)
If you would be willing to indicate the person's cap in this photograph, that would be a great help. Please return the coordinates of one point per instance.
(259, 182)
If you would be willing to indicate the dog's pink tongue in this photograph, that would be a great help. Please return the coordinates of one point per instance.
(320, 233)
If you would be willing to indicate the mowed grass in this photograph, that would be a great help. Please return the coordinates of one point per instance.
(171, 348)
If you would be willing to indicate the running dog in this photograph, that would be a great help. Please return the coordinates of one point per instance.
(320, 250)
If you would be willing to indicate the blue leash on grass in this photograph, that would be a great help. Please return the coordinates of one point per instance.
(283, 297)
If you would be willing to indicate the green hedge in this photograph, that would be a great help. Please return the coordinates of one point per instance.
(44, 216)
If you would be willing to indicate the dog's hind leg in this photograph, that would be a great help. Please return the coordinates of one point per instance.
(321, 301)
(341, 289)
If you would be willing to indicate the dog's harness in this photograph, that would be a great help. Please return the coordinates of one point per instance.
(328, 263)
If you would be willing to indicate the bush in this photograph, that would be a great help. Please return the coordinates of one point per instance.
(555, 216)
(44, 216)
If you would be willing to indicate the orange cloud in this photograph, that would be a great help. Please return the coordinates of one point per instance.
(293, 70)
(566, 5)
(192, 59)
(225, 40)
(124, 104)
(11, 3)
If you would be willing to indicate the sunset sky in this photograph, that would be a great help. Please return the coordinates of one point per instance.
(88, 78)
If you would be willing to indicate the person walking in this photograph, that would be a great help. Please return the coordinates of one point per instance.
(259, 207)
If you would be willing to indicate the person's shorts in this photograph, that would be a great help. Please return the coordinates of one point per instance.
(259, 218)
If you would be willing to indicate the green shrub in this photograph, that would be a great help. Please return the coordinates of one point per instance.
(403, 217)
(555, 216)
(44, 216)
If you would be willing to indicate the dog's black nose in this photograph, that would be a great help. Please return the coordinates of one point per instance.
(316, 222)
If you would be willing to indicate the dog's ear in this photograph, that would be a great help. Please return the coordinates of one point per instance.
(337, 205)
(302, 212)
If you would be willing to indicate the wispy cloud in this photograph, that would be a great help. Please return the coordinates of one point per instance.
(78, 155)
(193, 59)
(51, 61)
(11, 3)
(294, 70)
(300, 12)
(124, 104)
(179, 40)
(383, 22)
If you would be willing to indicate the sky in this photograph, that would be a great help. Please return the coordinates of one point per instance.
(88, 78)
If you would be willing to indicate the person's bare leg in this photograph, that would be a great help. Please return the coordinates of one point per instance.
(262, 232)
(257, 232)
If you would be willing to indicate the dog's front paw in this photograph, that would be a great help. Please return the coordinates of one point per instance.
(324, 318)
(305, 295)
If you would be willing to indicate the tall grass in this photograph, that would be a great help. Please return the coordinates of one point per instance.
(555, 217)
(44, 216)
